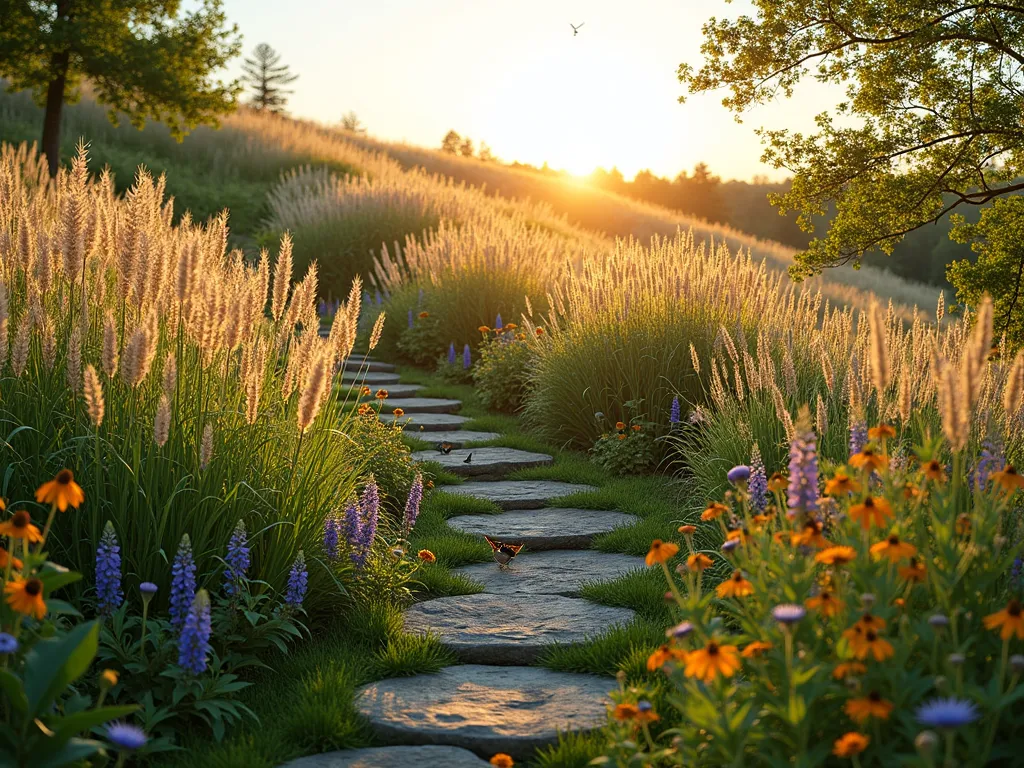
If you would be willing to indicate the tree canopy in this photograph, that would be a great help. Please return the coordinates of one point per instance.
(267, 77)
(145, 58)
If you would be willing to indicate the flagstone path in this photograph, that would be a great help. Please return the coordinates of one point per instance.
(494, 702)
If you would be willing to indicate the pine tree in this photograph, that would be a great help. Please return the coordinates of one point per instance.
(267, 77)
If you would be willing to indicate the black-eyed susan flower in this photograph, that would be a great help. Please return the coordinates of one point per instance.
(872, 705)
(915, 571)
(61, 492)
(850, 744)
(869, 459)
(398, 413)
(25, 596)
(778, 482)
(19, 526)
(5, 558)
(848, 669)
(881, 432)
(645, 713)
(661, 551)
(1009, 479)
(739, 535)
(426, 556)
(933, 470)
(484, 329)
(699, 562)
(863, 642)
(874, 510)
(663, 656)
(868, 621)
(687, 530)
(755, 649)
(714, 511)
(893, 548)
(825, 603)
(1008, 622)
(382, 394)
(501, 760)
(735, 586)
(838, 555)
(712, 660)
(810, 535)
(841, 484)
(624, 712)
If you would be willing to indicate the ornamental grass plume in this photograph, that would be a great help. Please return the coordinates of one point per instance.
(314, 392)
(375, 333)
(183, 582)
(108, 572)
(93, 390)
(162, 422)
(168, 381)
(206, 446)
(236, 560)
(110, 346)
(878, 351)
(1013, 390)
(298, 583)
(194, 638)
(282, 278)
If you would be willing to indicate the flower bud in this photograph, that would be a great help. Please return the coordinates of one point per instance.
(620, 676)
(938, 621)
(1017, 663)
(108, 679)
(955, 659)
(867, 600)
(926, 742)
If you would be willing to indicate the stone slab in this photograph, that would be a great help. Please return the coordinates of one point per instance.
(375, 366)
(491, 462)
(559, 572)
(518, 494)
(370, 378)
(547, 528)
(510, 629)
(395, 391)
(485, 709)
(430, 422)
(459, 438)
(427, 756)
(423, 404)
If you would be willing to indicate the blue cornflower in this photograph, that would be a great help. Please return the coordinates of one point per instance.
(739, 474)
(644, 706)
(679, 631)
(412, 504)
(674, 411)
(237, 560)
(148, 589)
(183, 583)
(498, 325)
(467, 359)
(788, 613)
(729, 546)
(858, 436)
(451, 353)
(410, 318)
(298, 582)
(108, 572)
(803, 471)
(8, 643)
(194, 640)
(757, 486)
(949, 712)
(331, 537)
(125, 736)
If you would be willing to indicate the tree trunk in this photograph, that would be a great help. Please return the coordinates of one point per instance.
(54, 108)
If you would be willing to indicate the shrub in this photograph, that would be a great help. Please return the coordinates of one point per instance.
(502, 371)
(629, 448)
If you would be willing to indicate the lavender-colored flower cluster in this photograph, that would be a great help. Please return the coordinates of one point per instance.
(412, 504)
(194, 640)
(332, 536)
(757, 486)
(674, 412)
(183, 583)
(451, 353)
(467, 358)
(108, 572)
(498, 325)
(410, 319)
(298, 582)
(803, 472)
(858, 436)
(990, 460)
(361, 523)
(237, 560)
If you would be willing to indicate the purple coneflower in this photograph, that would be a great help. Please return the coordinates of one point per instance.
(194, 640)
(298, 582)
(757, 487)
(803, 471)
(183, 583)
(108, 572)
(236, 559)
(412, 504)
(467, 359)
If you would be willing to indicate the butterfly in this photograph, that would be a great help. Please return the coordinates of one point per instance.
(468, 459)
(444, 448)
(503, 553)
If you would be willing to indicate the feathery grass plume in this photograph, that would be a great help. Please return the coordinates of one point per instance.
(906, 396)
(878, 357)
(170, 377)
(282, 277)
(73, 369)
(314, 391)
(138, 355)
(19, 353)
(110, 353)
(162, 421)
(826, 367)
(48, 342)
(1013, 390)
(694, 358)
(378, 329)
(738, 378)
(940, 308)
(821, 416)
(782, 412)
(950, 402)
(94, 403)
(729, 346)
(44, 269)
(4, 320)
(789, 371)
(206, 446)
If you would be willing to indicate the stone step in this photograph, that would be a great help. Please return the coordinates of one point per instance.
(365, 364)
(544, 529)
(555, 572)
(510, 629)
(459, 438)
(518, 494)
(489, 463)
(423, 422)
(422, 404)
(370, 378)
(395, 391)
(487, 710)
(427, 756)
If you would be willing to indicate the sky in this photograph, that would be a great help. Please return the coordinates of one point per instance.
(511, 73)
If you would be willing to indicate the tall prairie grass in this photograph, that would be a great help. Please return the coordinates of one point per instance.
(186, 387)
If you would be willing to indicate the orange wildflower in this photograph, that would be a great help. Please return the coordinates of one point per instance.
(661, 551)
(25, 596)
(365, 409)
(777, 482)
(712, 660)
(865, 641)
(881, 431)
(688, 530)
(626, 712)
(501, 760)
(382, 394)
(934, 470)
(735, 586)
(620, 425)
(635, 427)
(840, 484)
(755, 649)
(424, 315)
(847, 669)
(872, 705)
(893, 548)
(1009, 621)
(915, 572)
(426, 556)
(1009, 479)
(663, 656)
(869, 459)
(484, 329)
(19, 526)
(62, 491)
(5, 555)
(398, 413)
(698, 562)
(826, 603)
(810, 535)
(714, 511)
(539, 331)
(364, 391)
(840, 555)
(850, 744)
(872, 511)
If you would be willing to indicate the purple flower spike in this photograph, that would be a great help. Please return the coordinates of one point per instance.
(108, 572)
(451, 353)
(410, 318)
(412, 505)
(803, 472)
(498, 325)
(467, 359)
(236, 560)
(674, 411)
(858, 436)
(298, 582)
(194, 641)
(367, 516)
(331, 537)
(757, 486)
(183, 583)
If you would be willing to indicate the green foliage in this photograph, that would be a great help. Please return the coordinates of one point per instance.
(931, 110)
(421, 342)
(386, 458)
(998, 239)
(502, 371)
(629, 449)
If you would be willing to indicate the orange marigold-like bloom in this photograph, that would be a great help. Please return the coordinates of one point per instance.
(25, 596)
(1009, 479)
(4, 556)
(635, 427)
(688, 530)
(869, 459)
(698, 562)
(398, 413)
(874, 510)
(850, 744)
(777, 482)
(364, 391)
(62, 491)
(621, 436)
(365, 409)
(484, 329)
(661, 551)
(382, 394)
(510, 326)
(933, 470)
(663, 656)
(893, 548)
(825, 603)
(19, 526)
(839, 555)
(910, 491)
(539, 331)
(847, 669)
(620, 425)
(714, 511)
(1008, 622)
(501, 760)
(626, 712)
(881, 431)
(915, 572)
(426, 556)
(755, 649)
(712, 660)
(841, 484)
(735, 586)
(872, 705)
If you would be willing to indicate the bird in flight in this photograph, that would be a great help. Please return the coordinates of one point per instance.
(575, 28)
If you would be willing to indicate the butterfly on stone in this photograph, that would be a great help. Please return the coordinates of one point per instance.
(503, 553)
(444, 448)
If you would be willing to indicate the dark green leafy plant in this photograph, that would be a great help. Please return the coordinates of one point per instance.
(629, 448)
(502, 371)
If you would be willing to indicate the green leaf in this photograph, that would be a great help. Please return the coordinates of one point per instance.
(53, 664)
(13, 691)
(62, 608)
(55, 579)
(72, 752)
(91, 718)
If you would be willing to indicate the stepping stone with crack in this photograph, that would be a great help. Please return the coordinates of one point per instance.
(518, 494)
(395, 391)
(515, 710)
(510, 629)
(490, 463)
(547, 528)
(370, 379)
(429, 756)
(416, 423)
(375, 366)
(458, 438)
(550, 573)
(422, 404)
